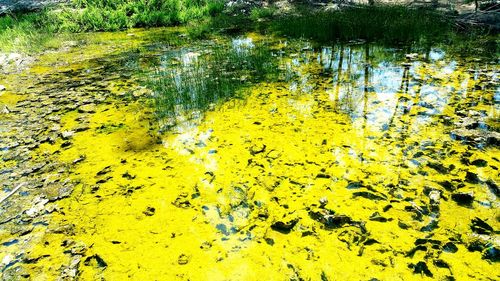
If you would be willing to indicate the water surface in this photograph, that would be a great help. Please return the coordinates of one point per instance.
(345, 162)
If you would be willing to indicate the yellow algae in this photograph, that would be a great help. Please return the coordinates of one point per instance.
(347, 175)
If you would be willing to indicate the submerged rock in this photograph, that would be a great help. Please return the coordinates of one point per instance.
(284, 226)
(480, 227)
(183, 259)
(450, 247)
(95, 260)
(331, 220)
(149, 211)
(421, 268)
(471, 178)
(477, 136)
(377, 217)
(492, 254)
(463, 198)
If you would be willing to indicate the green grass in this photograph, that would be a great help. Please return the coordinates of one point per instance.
(391, 24)
(208, 79)
(33, 32)
(107, 15)
(26, 33)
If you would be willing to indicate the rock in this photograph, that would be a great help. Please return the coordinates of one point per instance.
(323, 201)
(463, 198)
(95, 260)
(480, 227)
(354, 185)
(493, 187)
(477, 245)
(284, 226)
(369, 195)
(471, 178)
(450, 247)
(412, 56)
(476, 136)
(104, 171)
(68, 229)
(79, 159)
(434, 196)
(87, 108)
(447, 185)
(5, 110)
(183, 259)
(67, 134)
(78, 248)
(421, 268)
(492, 254)
(10, 6)
(441, 263)
(82, 127)
(182, 201)
(411, 253)
(433, 224)
(38, 208)
(377, 217)
(330, 220)
(149, 211)
(479, 163)
(438, 167)
(257, 148)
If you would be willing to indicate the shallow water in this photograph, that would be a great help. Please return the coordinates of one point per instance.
(354, 162)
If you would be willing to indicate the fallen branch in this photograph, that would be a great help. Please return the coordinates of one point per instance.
(12, 192)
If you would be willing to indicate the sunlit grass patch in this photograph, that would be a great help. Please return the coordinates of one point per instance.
(34, 31)
(26, 32)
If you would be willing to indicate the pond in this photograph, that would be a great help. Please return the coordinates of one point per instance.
(148, 156)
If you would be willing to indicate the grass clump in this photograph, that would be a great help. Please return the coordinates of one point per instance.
(26, 32)
(105, 15)
(32, 32)
(193, 82)
(392, 24)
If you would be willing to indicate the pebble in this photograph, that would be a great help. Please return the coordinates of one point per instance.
(183, 259)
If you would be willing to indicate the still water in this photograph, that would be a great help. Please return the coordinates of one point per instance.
(148, 156)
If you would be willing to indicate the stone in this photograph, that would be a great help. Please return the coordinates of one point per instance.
(479, 226)
(323, 201)
(67, 134)
(88, 108)
(377, 217)
(183, 259)
(450, 247)
(284, 226)
(149, 211)
(422, 268)
(463, 198)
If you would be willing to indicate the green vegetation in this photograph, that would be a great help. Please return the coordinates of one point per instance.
(379, 23)
(29, 32)
(193, 81)
(34, 31)
(105, 15)
(384, 24)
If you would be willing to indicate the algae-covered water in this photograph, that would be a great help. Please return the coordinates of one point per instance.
(345, 162)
